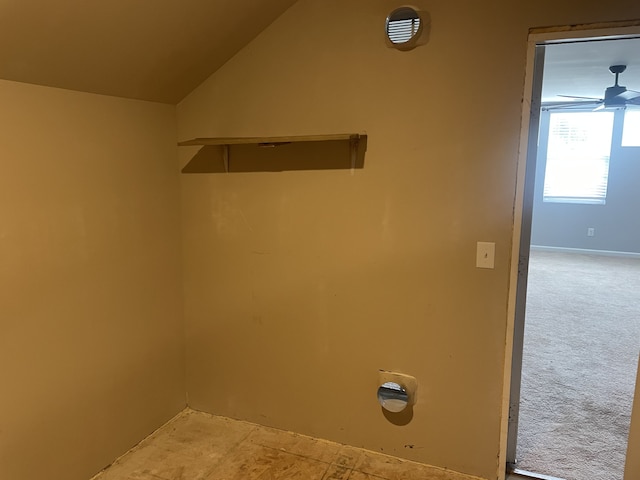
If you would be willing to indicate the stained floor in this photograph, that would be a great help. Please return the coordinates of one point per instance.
(199, 446)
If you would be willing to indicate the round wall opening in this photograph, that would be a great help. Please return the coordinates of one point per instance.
(393, 397)
(403, 28)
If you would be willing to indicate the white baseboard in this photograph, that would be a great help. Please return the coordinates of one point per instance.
(587, 251)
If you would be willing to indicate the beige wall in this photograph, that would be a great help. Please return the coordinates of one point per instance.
(91, 342)
(301, 285)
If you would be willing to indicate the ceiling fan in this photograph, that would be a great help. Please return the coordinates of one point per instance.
(615, 96)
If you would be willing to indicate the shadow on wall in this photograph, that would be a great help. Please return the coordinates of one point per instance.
(399, 419)
(321, 155)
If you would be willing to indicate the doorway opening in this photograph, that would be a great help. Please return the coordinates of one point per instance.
(577, 330)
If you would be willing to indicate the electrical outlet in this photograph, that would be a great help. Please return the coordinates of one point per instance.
(591, 232)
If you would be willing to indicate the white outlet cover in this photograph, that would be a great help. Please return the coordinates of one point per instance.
(485, 254)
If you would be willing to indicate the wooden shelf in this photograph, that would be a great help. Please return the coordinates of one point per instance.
(204, 161)
(268, 141)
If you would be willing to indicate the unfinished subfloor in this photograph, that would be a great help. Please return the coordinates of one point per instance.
(199, 446)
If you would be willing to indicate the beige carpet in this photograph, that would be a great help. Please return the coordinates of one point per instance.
(582, 338)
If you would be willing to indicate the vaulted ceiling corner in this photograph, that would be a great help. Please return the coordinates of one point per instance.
(157, 51)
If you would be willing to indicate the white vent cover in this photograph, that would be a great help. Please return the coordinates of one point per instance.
(406, 28)
(401, 31)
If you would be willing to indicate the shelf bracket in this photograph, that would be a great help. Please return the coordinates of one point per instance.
(353, 143)
(225, 157)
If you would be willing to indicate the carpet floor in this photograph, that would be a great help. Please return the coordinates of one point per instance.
(581, 344)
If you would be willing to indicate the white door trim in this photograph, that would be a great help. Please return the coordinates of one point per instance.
(537, 36)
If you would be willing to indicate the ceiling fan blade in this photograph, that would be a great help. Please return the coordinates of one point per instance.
(629, 95)
(634, 101)
(583, 98)
(599, 107)
(570, 105)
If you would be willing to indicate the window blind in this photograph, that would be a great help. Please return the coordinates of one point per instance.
(578, 152)
(631, 129)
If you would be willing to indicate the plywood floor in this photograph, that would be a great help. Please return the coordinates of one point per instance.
(198, 446)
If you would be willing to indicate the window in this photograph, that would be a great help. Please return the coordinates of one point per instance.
(578, 153)
(631, 130)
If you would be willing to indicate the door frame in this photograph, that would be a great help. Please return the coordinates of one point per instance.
(523, 210)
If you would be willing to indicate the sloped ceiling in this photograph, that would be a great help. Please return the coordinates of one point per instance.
(157, 50)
